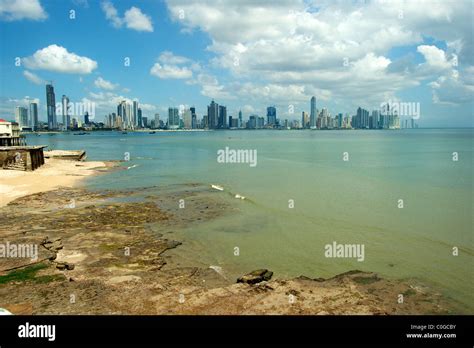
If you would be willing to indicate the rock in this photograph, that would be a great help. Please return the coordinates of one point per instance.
(65, 266)
(256, 276)
(54, 245)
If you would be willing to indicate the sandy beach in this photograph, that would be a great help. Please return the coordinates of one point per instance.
(53, 174)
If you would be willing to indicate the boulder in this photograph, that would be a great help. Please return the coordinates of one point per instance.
(256, 276)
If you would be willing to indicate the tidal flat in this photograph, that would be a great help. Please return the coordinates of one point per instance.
(107, 254)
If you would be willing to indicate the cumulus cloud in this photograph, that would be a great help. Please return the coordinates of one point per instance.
(33, 77)
(104, 84)
(137, 20)
(58, 59)
(170, 66)
(337, 50)
(133, 18)
(12, 10)
(170, 72)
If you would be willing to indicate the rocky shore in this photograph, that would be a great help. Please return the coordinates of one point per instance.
(105, 255)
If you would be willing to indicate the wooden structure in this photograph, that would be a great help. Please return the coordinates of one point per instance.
(21, 157)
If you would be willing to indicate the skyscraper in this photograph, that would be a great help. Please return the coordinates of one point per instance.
(271, 116)
(135, 114)
(51, 107)
(240, 119)
(140, 118)
(86, 118)
(21, 116)
(173, 118)
(212, 115)
(304, 120)
(222, 120)
(34, 116)
(65, 112)
(193, 118)
(312, 118)
(187, 118)
(157, 120)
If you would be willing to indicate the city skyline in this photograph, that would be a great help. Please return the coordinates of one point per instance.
(171, 56)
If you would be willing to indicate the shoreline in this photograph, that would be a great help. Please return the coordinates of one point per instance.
(55, 173)
(106, 253)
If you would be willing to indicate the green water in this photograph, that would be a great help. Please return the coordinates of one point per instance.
(352, 201)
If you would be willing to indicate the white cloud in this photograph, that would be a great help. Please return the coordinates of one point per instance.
(170, 72)
(137, 20)
(168, 57)
(434, 56)
(12, 10)
(58, 59)
(33, 77)
(337, 50)
(133, 18)
(104, 84)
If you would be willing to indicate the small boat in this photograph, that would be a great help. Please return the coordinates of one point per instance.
(217, 187)
(80, 133)
(152, 132)
(239, 196)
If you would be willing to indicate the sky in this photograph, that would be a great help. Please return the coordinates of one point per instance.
(244, 54)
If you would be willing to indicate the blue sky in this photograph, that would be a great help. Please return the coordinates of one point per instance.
(246, 55)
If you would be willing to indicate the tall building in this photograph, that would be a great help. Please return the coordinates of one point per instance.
(130, 123)
(21, 116)
(374, 120)
(34, 116)
(193, 118)
(240, 119)
(212, 115)
(252, 122)
(86, 118)
(65, 112)
(271, 116)
(134, 119)
(173, 118)
(139, 118)
(222, 120)
(312, 118)
(304, 120)
(157, 120)
(51, 107)
(187, 118)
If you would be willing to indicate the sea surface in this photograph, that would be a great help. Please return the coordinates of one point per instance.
(302, 195)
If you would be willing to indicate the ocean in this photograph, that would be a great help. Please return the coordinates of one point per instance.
(398, 193)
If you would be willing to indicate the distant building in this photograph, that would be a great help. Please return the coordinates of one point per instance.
(240, 119)
(51, 107)
(157, 120)
(271, 116)
(34, 116)
(173, 118)
(65, 112)
(187, 119)
(139, 118)
(145, 122)
(312, 119)
(222, 120)
(212, 115)
(304, 120)
(260, 122)
(252, 122)
(21, 116)
(134, 118)
(193, 118)
(86, 118)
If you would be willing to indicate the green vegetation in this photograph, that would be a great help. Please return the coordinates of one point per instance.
(29, 274)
